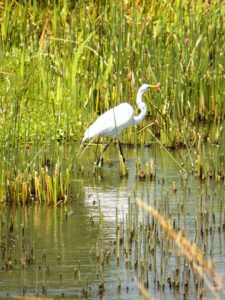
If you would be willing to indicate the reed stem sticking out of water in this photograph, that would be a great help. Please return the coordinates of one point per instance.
(203, 267)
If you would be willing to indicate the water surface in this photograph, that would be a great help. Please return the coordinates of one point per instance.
(58, 251)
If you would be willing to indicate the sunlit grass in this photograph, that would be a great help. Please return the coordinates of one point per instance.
(65, 63)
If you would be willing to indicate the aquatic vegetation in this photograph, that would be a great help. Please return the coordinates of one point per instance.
(99, 242)
(192, 254)
(64, 63)
(27, 187)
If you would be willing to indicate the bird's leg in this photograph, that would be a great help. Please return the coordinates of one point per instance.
(96, 152)
(121, 152)
(100, 159)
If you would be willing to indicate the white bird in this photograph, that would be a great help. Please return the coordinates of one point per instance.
(115, 120)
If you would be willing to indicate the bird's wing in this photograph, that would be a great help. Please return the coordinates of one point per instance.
(122, 116)
(112, 122)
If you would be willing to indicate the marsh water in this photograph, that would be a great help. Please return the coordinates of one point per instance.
(71, 251)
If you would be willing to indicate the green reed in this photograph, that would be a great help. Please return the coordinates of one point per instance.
(64, 63)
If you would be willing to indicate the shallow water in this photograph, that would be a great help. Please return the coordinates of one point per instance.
(58, 252)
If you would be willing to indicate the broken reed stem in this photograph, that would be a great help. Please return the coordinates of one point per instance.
(190, 251)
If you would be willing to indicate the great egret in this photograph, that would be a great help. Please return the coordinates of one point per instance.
(115, 120)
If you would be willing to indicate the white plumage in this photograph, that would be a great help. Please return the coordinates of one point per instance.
(115, 120)
(112, 122)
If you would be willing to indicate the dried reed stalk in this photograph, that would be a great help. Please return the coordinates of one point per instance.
(143, 291)
(204, 267)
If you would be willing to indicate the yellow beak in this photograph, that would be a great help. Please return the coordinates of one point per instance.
(155, 86)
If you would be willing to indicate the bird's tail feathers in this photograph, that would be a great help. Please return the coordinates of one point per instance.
(86, 136)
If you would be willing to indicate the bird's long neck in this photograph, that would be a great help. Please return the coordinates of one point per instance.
(139, 99)
(142, 106)
(140, 117)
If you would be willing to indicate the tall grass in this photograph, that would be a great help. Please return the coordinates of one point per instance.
(65, 62)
